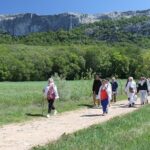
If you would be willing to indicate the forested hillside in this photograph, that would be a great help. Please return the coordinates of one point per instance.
(111, 47)
(21, 62)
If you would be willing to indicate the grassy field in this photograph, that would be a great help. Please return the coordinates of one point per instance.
(129, 132)
(17, 99)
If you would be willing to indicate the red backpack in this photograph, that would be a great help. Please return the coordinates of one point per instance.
(51, 93)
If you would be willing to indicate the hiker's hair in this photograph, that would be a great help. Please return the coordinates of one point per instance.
(98, 74)
(107, 79)
(113, 78)
(50, 80)
(130, 78)
(104, 80)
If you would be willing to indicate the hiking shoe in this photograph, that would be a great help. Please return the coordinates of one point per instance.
(130, 105)
(99, 107)
(107, 111)
(95, 107)
(104, 114)
(55, 112)
(48, 115)
(142, 103)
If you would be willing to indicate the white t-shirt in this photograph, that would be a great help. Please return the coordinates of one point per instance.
(130, 84)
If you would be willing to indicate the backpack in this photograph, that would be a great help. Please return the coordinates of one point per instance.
(51, 93)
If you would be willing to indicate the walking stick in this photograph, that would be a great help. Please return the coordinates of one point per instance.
(43, 99)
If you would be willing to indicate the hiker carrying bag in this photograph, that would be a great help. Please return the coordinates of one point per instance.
(131, 90)
(51, 93)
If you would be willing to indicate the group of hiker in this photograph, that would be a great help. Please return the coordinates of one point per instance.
(132, 89)
(104, 92)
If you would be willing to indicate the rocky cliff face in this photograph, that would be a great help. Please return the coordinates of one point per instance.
(23, 24)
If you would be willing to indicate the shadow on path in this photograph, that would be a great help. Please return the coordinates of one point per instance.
(86, 105)
(114, 106)
(34, 115)
(92, 115)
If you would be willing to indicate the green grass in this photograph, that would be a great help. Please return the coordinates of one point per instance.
(20, 98)
(129, 132)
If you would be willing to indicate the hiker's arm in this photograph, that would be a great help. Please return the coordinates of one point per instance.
(56, 93)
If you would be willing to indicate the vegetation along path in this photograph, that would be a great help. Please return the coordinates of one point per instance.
(23, 136)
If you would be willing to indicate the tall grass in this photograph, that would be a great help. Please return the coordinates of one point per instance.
(129, 132)
(20, 98)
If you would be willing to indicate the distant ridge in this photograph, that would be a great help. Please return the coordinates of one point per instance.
(24, 24)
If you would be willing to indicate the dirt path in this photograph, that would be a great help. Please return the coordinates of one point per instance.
(39, 132)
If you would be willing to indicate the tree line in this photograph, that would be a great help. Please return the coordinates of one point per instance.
(25, 63)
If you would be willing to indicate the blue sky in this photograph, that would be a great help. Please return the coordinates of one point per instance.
(60, 6)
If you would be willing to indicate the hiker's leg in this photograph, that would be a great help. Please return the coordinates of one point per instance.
(104, 105)
(94, 98)
(107, 103)
(145, 96)
(100, 105)
(132, 99)
(114, 97)
(53, 107)
(48, 106)
(142, 97)
(98, 101)
(50, 103)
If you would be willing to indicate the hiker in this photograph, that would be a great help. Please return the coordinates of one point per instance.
(104, 96)
(131, 91)
(96, 86)
(109, 89)
(114, 85)
(143, 90)
(51, 94)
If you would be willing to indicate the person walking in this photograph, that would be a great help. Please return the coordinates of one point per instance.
(104, 97)
(143, 90)
(96, 85)
(131, 91)
(51, 94)
(114, 85)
